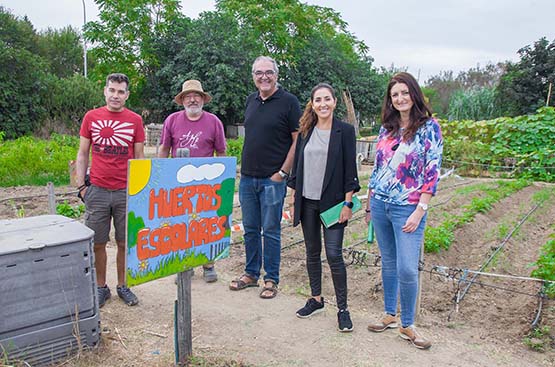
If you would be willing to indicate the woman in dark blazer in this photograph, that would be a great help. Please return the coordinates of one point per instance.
(324, 174)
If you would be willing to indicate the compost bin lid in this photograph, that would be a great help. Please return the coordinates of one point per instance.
(35, 233)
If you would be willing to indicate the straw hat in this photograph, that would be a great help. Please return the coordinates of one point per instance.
(192, 86)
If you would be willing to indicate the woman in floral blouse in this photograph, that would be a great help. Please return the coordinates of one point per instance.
(404, 179)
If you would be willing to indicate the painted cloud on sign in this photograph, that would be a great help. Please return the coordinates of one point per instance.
(190, 173)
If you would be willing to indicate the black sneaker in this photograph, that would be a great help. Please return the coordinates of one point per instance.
(104, 294)
(312, 307)
(127, 296)
(344, 320)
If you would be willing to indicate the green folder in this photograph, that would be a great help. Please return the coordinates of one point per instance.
(331, 216)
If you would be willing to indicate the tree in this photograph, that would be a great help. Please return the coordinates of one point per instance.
(478, 77)
(284, 27)
(524, 86)
(124, 39)
(212, 49)
(17, 33)
(22, 76)
(63, 51)
(311, 44)
(445, 84)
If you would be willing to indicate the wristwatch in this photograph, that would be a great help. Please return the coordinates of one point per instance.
(423, 206)
(348, 204)
(283, 174)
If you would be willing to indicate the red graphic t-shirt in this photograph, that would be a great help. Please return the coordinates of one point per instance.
(112, 135)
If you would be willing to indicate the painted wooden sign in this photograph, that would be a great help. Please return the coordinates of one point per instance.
(178, 214)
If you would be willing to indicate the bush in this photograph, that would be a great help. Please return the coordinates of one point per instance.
(475, 104)
(235, 148)
(546, 267)
(32, 161)
(69, 99)
(522, 146)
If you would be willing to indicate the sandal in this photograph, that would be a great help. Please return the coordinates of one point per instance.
(272, 289)
(238, 283)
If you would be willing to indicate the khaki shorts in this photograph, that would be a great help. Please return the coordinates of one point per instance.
(101, 206)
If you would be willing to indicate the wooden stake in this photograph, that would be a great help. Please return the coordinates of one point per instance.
(548, 95)
(184, 334)
(51, 198)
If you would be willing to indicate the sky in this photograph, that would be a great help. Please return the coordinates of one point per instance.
(424, 36)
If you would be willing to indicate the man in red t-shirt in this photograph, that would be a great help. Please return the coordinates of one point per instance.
(111, 135)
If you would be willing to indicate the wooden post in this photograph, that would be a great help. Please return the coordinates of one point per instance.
(184, 334)
(548, 95)
(184, 322)
(51, 198)
(419, 293)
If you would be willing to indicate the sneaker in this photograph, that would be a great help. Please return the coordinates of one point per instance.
(344, 321)
(312, 307)
(387, 321)
(127, 296)
(409, 333)
(104, 294)
(209, 275)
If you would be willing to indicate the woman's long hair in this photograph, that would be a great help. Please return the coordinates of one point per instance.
(309, 118)
(419, 113)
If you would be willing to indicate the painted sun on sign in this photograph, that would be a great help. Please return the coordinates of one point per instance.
(178, 214)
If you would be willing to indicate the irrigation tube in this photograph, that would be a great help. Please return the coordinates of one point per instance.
(492, 256)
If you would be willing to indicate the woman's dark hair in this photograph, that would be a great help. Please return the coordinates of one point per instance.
(419, 113)
(309, 117)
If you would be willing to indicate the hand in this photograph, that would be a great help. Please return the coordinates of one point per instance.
(368, 217)
(345, 215)
(292, 211)
(276, 177)
(413, 221)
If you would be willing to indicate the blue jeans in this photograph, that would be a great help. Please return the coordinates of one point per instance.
(261, 205)
(400, 253)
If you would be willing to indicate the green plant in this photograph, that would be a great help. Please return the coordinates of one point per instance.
(502, 230)
(538, 339)
(235, 148)
(441, 236)
(70, 211)
(520, 147)
(546, 267)
(33, 161)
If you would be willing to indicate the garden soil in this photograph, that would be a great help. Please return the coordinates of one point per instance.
(486, 329)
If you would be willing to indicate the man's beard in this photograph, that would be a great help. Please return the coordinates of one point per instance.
(193, 110)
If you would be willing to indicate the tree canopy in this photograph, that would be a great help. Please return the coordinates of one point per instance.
(524, 86)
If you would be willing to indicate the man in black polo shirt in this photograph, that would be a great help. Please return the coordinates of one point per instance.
(271, 123)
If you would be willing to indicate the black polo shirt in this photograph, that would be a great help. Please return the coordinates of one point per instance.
(268, 127)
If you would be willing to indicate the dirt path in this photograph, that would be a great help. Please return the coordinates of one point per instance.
(245, 328)
(487, 330)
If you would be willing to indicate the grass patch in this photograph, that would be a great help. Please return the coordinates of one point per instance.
(171, 265)
(441, 236)
(32, 161)
(539, 339)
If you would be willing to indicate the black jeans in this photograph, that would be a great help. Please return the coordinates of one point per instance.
(333, 242)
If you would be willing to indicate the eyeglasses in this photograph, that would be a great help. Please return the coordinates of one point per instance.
(192, 96)
(267, 73)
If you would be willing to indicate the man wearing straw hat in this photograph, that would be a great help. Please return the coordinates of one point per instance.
(199, 132)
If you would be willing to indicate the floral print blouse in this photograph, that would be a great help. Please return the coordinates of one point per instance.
(405, 170)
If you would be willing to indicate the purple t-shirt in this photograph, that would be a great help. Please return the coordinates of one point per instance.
(203, 137)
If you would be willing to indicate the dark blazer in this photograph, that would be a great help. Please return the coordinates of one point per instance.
(341, 172)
